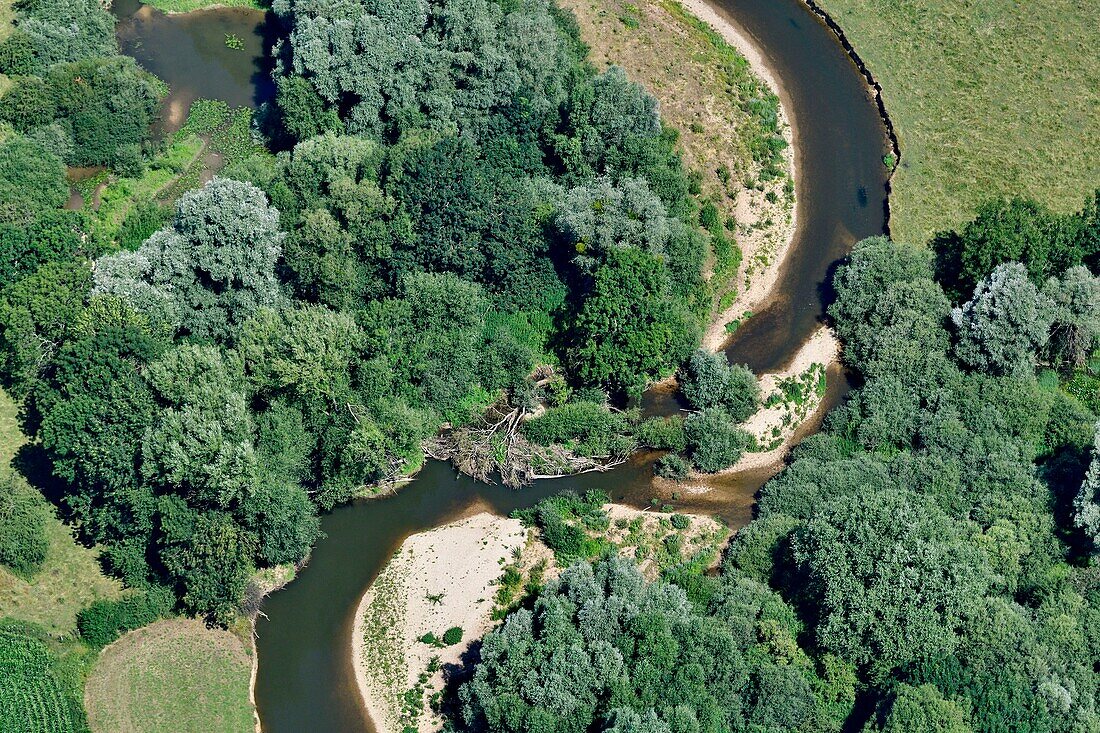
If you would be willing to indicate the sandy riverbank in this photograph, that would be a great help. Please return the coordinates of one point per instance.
(449, 576)
(764, 250)
(780, 422)
(437, 580)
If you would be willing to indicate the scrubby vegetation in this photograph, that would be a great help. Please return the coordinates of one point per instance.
(923, 564)
(582, 527)
(23, 515)
(104, 621)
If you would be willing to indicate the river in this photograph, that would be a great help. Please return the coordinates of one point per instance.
(305, 679)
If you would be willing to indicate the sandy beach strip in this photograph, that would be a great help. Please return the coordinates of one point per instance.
(762, 283)
(439, 579)
(823, 348)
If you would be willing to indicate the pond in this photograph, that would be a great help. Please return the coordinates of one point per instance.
(191, 52)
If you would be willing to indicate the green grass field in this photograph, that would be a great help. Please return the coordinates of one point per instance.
(989, 97)
(69, 579)
(174, 676)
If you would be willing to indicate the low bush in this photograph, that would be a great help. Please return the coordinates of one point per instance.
(672, 466)
(23, 512)
(104, 621)
(587, 427)
(662, 433)
(714, 440)
(565, 539)
(452, 635)
(145, 218)
(562, 521)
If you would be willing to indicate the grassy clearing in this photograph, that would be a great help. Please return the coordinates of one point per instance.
(989, 97)
(69, 579)
(11, 437)
(174, 676)
(7, 19)
(727, 118)
(120, 194)
(214, 136)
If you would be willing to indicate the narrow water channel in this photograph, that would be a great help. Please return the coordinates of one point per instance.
(306, 681)
(840, 142)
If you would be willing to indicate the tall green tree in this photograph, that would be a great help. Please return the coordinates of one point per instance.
(1003, 327)
(709, 380)
(62, 31)
(919, 710)
(209, 271)
(422, 64)
(892, 577)
(32, 180)
(628, 330)
(1086, 504)
(1075, 331)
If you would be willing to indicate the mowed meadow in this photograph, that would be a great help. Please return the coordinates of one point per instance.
(989, 98)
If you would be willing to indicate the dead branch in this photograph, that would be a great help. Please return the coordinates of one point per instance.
(496, 448)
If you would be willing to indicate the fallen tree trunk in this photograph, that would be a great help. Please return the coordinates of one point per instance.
(497, 447)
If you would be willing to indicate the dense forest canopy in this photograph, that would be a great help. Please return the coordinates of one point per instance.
(74, 95)
(458, 198)
(450, 196)
(923, 564)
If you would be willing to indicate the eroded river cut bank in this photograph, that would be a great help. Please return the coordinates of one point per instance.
(306, 677)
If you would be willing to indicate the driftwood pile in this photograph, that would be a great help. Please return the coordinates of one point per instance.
(495, 447)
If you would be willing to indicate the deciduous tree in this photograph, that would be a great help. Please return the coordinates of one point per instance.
(208, 272)
(1002, 328)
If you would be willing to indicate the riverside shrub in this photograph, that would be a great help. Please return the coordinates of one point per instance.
(709, 380)
(588, 426)
(105, 620)
(23, 543)
(714, 440)
(672, 467)
(662, 433)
